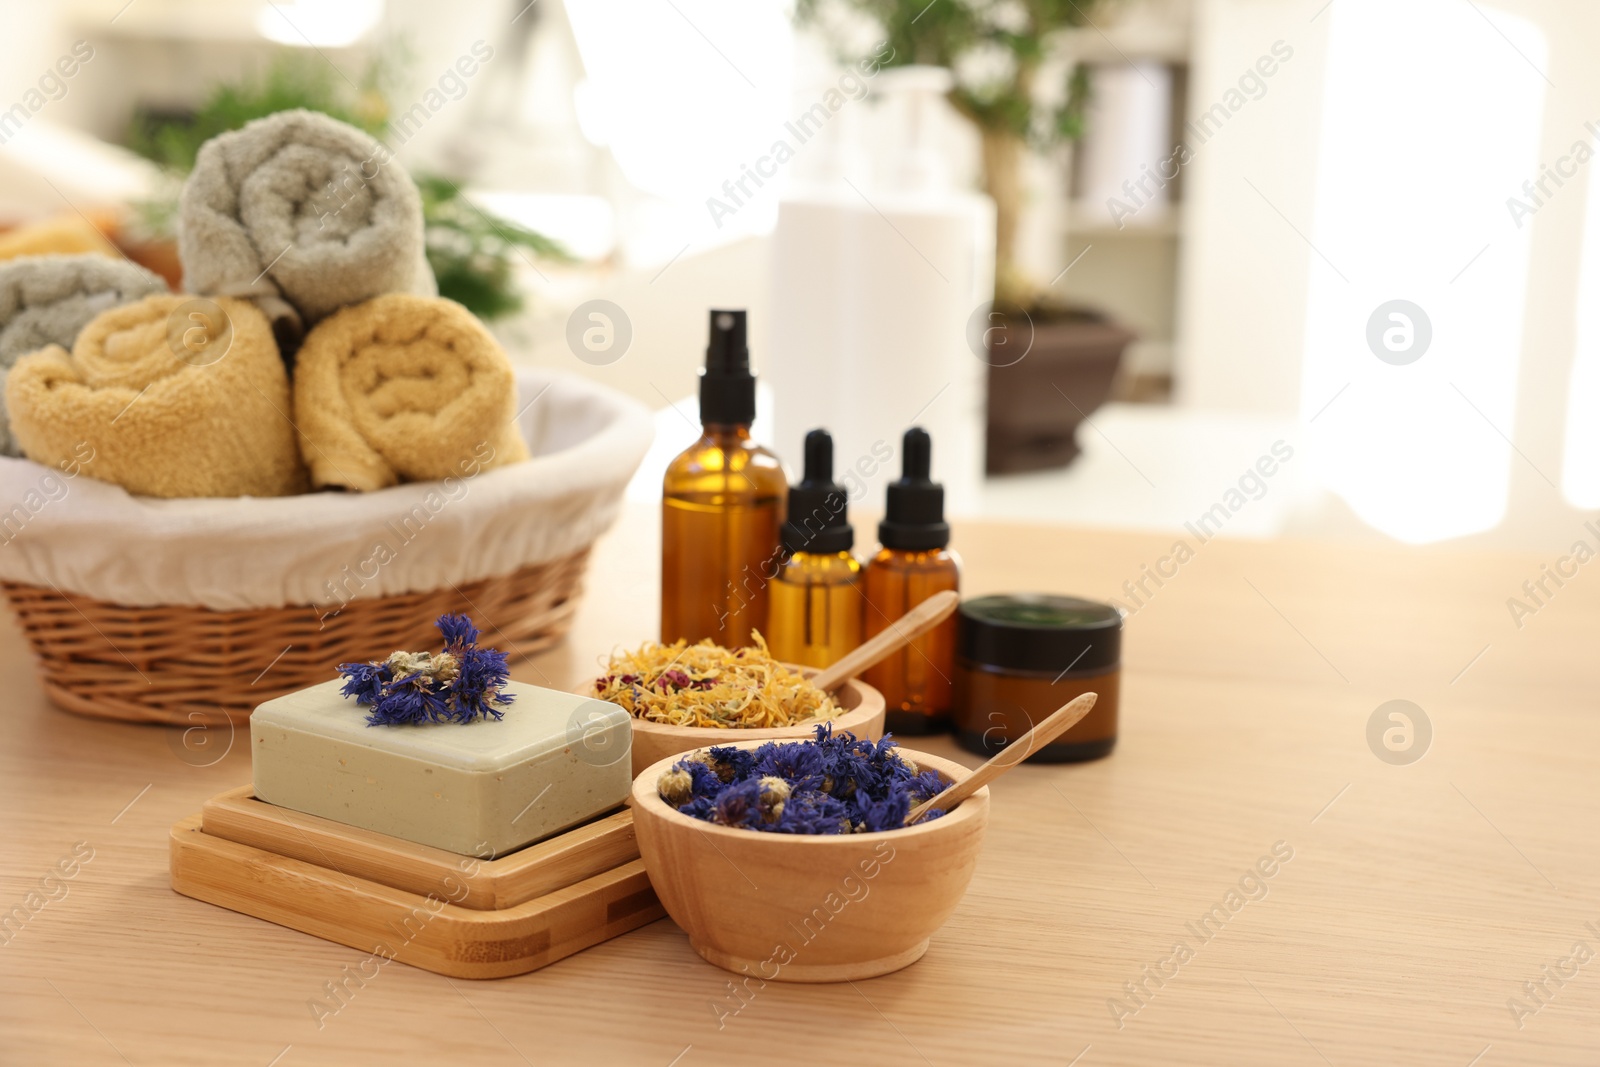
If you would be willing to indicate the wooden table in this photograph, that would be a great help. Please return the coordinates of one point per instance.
(1418, 901)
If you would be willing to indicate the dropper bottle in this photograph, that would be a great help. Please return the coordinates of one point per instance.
(721, 503)
(913, 563)
(816, 599)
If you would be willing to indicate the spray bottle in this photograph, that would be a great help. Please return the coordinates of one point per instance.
(721, 504)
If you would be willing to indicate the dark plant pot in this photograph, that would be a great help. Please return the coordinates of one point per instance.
(1036, 402)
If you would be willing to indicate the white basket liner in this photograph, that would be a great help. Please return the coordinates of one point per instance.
(96, 539)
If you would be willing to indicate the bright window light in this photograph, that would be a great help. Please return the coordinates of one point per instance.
(1432, 114)
(585, 225)
(686, 94)
(318, 24)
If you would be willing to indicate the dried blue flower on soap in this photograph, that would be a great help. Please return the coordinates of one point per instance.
(836, 784)
(459, 684)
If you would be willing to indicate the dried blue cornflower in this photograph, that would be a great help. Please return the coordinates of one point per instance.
(733, 764)
(703, 779)
(700, 808)
(364, 681)
(886, 814)
(459, 684)
(738, 805)
(835, 784)
(813, 812)
(458, 631)
(481, 674)
(793, 762)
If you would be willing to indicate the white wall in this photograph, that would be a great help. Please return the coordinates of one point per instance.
(1243, 269)
(667, 310)
(1489, 411)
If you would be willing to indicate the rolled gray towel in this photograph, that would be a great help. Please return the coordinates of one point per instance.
(300, 208)
(46, 300)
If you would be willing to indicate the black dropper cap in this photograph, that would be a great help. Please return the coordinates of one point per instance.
(819, 508)
(914, 518)
(727, 388)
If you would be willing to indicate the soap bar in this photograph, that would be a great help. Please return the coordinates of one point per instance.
(483, 788)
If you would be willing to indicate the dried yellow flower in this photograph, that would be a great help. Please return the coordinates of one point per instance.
(708, 685)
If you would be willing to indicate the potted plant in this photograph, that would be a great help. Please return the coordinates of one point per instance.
(997, 54)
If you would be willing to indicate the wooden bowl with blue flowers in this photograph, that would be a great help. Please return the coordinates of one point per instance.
(761, 893)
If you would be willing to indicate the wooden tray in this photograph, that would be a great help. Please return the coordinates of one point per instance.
(490, 884)
(342, 895)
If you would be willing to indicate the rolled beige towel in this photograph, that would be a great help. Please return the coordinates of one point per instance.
(168, 396)
(301, 208)
(64, 235)
(46, 300)
(404, 389)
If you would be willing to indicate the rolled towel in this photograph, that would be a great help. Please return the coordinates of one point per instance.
(46, 300)
(164, 397)
(64, 235)
(400, 389)
(301, 208)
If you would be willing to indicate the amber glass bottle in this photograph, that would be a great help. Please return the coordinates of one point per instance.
(913, 564)
(721, 505)
(816, 598)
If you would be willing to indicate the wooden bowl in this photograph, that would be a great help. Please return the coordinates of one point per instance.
(801, 908)
(861, 708)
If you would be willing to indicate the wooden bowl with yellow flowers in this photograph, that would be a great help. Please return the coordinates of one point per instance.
(685, 697)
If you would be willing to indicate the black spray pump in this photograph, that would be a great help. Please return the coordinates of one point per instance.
(727, 388)
(914, 518)
(819, 508)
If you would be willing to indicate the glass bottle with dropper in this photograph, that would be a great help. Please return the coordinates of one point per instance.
(913, 563)
(816, 597)
(721, 503)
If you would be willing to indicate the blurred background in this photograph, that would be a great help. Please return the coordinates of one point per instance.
(1309, 268)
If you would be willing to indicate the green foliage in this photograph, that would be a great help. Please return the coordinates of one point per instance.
(1069, 117)
(994, 48)
(473, 254)
(292, 80)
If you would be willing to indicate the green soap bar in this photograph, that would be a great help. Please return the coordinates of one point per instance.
(481, 789)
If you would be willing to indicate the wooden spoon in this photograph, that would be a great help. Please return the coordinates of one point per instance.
(901, 632)
(1060, 720)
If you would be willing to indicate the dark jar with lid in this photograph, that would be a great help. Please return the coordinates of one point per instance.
(1019, 657)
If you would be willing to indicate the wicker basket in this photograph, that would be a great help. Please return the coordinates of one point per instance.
(190, 666)
(210, 641)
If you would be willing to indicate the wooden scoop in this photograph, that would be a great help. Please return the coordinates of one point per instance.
(901, 632)
(1060, 720)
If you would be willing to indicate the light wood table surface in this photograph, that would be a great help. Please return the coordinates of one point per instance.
(1419, 899)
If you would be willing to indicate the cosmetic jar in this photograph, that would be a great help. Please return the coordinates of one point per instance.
(1019, 657)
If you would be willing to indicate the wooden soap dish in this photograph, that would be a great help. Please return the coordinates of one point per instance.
(432, 909)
